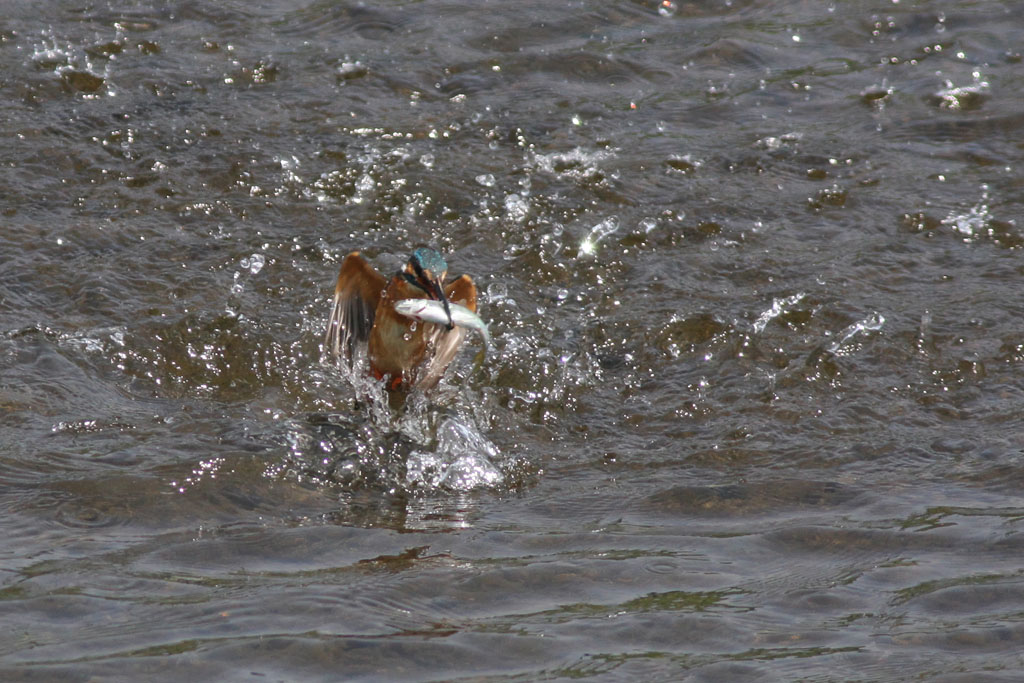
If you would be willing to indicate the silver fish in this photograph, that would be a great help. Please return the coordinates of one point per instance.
(432, 311)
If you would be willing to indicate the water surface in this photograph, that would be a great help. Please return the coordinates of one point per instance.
(750, 413)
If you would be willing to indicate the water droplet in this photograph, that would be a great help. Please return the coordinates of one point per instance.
(256, 263)
(485, 179)
(667, 8)
(516, 207)
(497, 292)
(366, 183)
(597, 233)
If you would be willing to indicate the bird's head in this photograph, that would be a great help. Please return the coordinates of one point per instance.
(426, 270)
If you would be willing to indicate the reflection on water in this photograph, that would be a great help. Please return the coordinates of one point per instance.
(751, 406)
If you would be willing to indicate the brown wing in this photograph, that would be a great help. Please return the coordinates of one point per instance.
(462, 290)
(446, 343)
(356, 296)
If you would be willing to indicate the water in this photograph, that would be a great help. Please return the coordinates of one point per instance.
(752, 405)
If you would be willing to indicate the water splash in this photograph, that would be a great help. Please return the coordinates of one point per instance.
(773, 143)
(975, 221)
(254, 263)
(428, 442)
(872, 323)
(249, 266)
(96, 341)
(964, 97)
(74, 66)
(497, 294)
(579, 164)
(516, 208)
(779, 306)
(364, 188)
(608, 226)
(463, 459)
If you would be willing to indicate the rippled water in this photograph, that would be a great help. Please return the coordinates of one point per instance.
(751, 409)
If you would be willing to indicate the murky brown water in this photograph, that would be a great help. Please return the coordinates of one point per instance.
(752, 407)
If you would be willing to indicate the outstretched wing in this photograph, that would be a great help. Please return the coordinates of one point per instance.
(356, 296)
(446, 343)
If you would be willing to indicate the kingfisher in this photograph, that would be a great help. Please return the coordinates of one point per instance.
(403, 352)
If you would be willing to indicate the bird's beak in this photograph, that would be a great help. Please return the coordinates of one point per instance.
(439, 293)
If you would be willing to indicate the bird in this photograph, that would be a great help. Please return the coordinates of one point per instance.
(401, 351)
